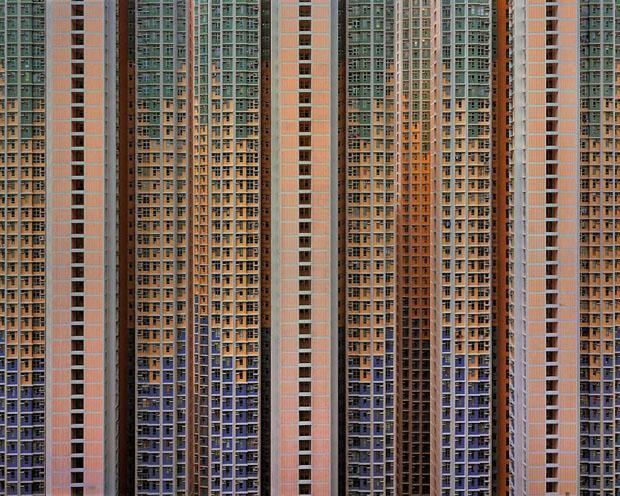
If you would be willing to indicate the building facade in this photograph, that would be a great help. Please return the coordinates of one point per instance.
(304, 248)
(370, 247)
(162, 253)
(233, 70)
(59, 327)
(463, 244)
(413, 271)
(23, 250)
(80, 252)
(309, 247)
(598, 61)
(547, 156)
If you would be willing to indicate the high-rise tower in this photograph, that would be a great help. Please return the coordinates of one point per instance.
(58, 220)
(200, 233)
(232, 70)
(304, 226)
(413, 270)
(462, 169)
(370, 247)
(162, 253)
(81, 249)
(598, 31)
(545, 280)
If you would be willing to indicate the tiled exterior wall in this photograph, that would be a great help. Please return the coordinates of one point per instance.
(463, 252)
(551, 186)
(78, 233)
(304, 247)
(200, 273)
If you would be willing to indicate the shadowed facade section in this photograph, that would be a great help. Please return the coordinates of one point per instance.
(413, 185)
